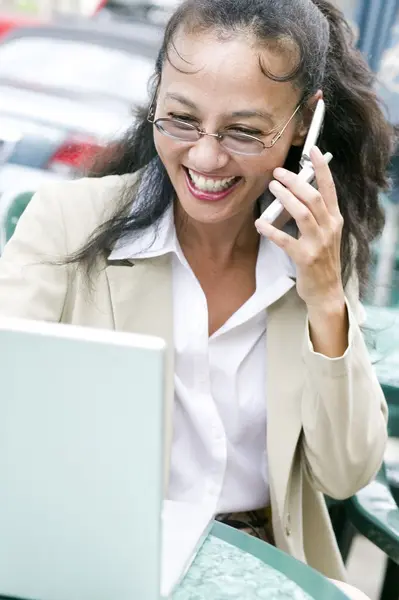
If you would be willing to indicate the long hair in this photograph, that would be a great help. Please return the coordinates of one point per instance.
(355, 130)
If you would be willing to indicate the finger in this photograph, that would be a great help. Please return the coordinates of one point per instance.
(325, 181)
(280, 238)
(304, 218)
(306, 193)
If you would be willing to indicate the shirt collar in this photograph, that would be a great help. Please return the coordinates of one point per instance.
(160, 239)
(156, 240)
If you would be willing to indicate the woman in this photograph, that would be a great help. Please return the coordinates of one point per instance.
(275, 402)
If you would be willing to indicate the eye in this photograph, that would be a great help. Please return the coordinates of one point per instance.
(239, 130)
(182, 117)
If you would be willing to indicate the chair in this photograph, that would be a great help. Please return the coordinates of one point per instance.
(392, 397)
(12, 205)
(343, 528)
(392, 470)
(392, 569)
(374, 513)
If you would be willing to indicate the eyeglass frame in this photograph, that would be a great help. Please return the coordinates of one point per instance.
(219, 136)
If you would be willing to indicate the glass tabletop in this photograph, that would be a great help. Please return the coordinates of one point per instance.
(232, 565)
(222, 571)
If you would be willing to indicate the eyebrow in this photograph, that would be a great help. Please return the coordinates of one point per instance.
(243, 114)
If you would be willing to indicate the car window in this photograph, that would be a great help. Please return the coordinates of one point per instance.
(76, 66)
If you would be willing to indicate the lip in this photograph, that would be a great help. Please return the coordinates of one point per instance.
(210, 175)
(208, 196)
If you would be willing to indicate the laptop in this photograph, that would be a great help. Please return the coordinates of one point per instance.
(81, 467)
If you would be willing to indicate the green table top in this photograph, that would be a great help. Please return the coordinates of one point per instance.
(235, 566)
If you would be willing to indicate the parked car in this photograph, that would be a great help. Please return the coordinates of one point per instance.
(66, 90)
(9, 22)
(156, 12)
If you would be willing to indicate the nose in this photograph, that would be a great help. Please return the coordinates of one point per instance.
(207, 155)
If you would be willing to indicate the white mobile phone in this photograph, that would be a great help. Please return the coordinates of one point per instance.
(276, 209)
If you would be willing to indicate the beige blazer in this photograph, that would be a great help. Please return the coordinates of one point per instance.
(326, 425)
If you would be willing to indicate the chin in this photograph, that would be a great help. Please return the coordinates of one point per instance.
(205, 214)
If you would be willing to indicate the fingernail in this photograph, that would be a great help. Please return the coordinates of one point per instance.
(316, 150)
(275, 186)
(261, 224)
(280, 172)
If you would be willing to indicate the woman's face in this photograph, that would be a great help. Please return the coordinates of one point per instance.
(219, 85)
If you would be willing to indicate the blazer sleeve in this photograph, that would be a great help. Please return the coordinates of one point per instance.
(344, 412)
(33, 282)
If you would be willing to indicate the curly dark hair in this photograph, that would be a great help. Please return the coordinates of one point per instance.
(355, 129)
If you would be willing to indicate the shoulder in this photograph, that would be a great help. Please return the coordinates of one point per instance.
(78, 207)
(87, 200)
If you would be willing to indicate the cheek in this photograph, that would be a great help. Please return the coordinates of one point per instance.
(160, 144)
(166, 148)
(262, 168)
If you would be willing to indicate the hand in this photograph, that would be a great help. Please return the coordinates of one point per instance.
(316, 253)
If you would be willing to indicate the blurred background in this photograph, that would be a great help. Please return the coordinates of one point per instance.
(71, 73)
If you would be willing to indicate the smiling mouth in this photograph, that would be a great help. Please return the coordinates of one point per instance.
(209, 185)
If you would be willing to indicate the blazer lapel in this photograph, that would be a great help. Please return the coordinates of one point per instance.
(141, 297)
(285, 332)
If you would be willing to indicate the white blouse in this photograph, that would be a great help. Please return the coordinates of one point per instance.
(219, 430)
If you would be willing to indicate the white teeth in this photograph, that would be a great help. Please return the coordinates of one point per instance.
(210, 185)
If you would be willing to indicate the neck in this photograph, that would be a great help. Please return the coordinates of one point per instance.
(222, 242)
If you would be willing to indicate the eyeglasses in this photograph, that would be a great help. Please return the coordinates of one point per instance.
(233, 141)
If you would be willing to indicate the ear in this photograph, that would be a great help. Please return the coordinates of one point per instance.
(306, 119)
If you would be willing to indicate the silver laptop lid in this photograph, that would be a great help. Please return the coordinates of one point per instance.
(81, 421)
